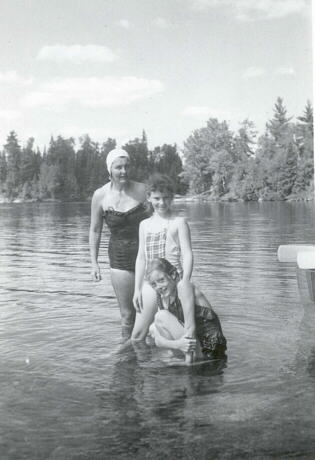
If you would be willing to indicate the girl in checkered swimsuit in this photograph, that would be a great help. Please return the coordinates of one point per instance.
(168, 236)
(163, 244)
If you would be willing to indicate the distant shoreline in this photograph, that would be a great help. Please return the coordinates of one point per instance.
(177, 199)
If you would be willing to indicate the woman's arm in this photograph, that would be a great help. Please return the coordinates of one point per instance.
(139, 271)
(185, 247)
(95, 233)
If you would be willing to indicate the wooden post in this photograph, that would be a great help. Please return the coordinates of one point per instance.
(310, 277)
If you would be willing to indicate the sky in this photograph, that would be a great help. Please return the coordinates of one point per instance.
(112, 68)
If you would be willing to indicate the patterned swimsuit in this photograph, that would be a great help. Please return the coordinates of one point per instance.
(208, 327)
(162, 245)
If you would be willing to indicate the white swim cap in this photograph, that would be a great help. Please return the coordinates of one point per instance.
(113, 155)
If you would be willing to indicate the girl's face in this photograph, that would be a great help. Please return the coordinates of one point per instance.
(161, 202)
(162, 283)
(120, 170)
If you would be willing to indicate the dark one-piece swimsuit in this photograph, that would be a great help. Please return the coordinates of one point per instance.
(208, 328)
(124, 235)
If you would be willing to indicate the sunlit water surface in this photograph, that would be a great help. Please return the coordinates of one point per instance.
(68, 393)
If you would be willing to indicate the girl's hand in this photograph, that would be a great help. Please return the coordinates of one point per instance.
(137, 300)
(186, 344)
(96, 272)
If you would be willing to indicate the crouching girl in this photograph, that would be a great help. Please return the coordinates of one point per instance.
(168, 328)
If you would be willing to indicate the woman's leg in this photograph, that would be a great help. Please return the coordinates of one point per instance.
(123, 283)
(146, 317)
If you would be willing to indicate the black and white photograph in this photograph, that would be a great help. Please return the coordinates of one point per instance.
(157, 230)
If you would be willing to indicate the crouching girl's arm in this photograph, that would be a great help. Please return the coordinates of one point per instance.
(184, 343)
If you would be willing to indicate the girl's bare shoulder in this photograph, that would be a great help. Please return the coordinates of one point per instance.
(179, 221)
(145, 223)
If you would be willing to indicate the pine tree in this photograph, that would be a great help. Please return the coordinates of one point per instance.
(12, 151)
(305, 164)
(307, 117)
(29, 162)
(61, 155)
(87, 166)
(279, 125)
(287, 172)
(3, 168)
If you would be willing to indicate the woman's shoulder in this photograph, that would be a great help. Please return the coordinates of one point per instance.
(100, 192)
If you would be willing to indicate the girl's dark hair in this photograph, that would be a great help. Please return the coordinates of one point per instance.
(160, 183)
(162, 265)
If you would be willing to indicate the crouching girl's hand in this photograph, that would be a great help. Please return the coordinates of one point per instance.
(186, 344)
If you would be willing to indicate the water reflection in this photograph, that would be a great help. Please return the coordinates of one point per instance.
(147, 399)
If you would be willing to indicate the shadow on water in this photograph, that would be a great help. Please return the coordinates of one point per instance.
(146, 405)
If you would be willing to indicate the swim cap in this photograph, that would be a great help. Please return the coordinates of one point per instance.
(113, 155)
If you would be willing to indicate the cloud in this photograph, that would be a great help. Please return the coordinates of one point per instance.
(253, 72)
(9, 115)
(125, 24)
(251, 10)
(11, 77)
(76, 53)
(161, 23)
(92, 92)
(285, 71)
(205, 111)
(197, 110)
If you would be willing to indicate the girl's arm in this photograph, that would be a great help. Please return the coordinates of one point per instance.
(185, 287)
(184, 343)
(95, 234)
(186, 296)
(185, 247)
(139, 271)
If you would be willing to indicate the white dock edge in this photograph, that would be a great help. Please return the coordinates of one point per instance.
(289, 252)
(306, 259)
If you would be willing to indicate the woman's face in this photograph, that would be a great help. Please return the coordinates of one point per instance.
(162, 283)
(120, 170)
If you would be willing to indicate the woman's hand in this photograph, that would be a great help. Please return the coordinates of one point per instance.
(186, 344)
(137, 300)
(96, 272)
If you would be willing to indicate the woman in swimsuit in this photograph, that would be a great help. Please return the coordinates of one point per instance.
(122, 204)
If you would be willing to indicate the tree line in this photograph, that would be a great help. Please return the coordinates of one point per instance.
(63, 173)
(277, 165)
(216, 162)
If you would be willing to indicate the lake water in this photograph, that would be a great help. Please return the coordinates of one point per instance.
(67, 393)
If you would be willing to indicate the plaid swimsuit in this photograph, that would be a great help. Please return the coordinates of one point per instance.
(162, 244)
